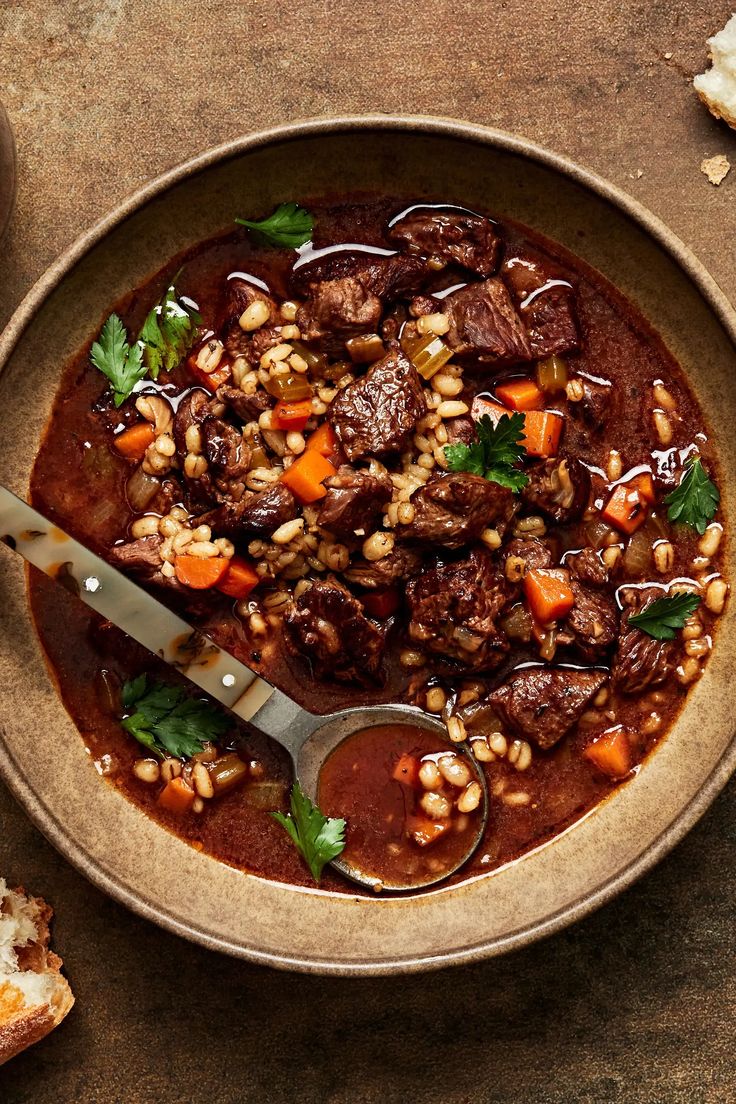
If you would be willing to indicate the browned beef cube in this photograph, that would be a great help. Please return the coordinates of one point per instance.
(239, 295)
(485, 325)
(596, 406)
(455, 509)
(248, 408)
(532, 552)
(329, 628)
(641, 661)
(378, 413)
(388, 277)
(546, 304)
(353, 502)
(139, 557)
(559, 488)
(454, 609)
(592, 621)
(259, 513)
(541, 704)
(401, 563)
(588, 567)
(467, 239)
(337, 310)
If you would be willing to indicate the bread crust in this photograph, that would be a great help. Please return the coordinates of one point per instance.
(716, 108)
(20, 1027)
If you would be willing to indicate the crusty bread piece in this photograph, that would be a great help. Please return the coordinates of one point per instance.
(717, 87)
(34, 997)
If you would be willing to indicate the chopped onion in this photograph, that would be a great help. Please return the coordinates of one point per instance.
(290, 387)
(141, 488)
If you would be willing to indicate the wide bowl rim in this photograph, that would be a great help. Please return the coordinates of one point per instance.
(33, 804)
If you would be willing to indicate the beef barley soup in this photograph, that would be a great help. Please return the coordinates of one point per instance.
(385, 451)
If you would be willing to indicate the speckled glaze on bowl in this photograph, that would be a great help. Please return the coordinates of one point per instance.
(42, 757)
(8, 181)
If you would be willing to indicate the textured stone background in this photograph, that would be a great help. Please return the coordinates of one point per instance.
(635, 1004)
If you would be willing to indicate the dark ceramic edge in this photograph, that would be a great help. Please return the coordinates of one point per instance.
(11, 149)
(711, 293)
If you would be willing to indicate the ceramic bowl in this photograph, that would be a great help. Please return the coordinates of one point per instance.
(42, 756)
(7, 172)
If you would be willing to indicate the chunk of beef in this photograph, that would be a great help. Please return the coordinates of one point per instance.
(641, 661)
(192, 411)
(543, 703)
(546, 305)
(378, 413)
(328, 627)
(587, 566)
(240, 294)
(454, 609)
(139, 557)
(337, 310)
(259, 513)
(223, 447)
(485, 325)
(387, 276)
(401, 563)
(248, 408)
(595, 407)
(534, 553)
(592, 621)
(467, 239)
(455, 509)
(460, 430)
(114, 416)
(559, 488)
(353, 502)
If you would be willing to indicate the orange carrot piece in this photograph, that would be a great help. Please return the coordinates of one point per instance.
(132, 443)
(200, 574)
(424, 831)
(483, 406)
(211, 382)
(548, 594)
(626, 509)
(307, 474)
(292, 415)
(542, 432)
(323, 440)
(521, 394)
(611, 753)
(407, 770)
(644, 484)
(239, 579)
(177, 796)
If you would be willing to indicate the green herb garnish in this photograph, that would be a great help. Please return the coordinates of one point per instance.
(317, 838)
(165, 720)
(290, 226)
(168, 333)
(121, 363)
(495, 453)
(663, 617)
(695, 501)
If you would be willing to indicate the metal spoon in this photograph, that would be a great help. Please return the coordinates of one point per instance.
(308, 738)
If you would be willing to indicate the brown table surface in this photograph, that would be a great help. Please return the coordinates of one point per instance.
(637, 1002)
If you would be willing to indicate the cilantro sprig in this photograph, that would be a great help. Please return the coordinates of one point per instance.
(289, 226)
(165, 337)
(695, 500)
(317, 838)
(121, 363)
(663, 617)
(167, 722)
(495, 453)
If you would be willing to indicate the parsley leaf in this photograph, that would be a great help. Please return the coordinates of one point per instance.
(168, 332)
(495, 453)
(165, 720)
(317, 838)
(122, 365)
(290, 225)
(695, 501)
(664, 616)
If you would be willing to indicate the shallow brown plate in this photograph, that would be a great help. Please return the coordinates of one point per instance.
(42, 757)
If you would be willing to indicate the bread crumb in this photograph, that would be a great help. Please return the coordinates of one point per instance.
(716, 168)
(717, 87)
(667, 57)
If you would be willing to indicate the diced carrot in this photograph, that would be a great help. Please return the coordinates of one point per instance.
(307, 474)
(483, 406)
(323, 440)
(407, 770)
(424, 831)
(199, 573)
(521, 394)
(542, 432)
(177, 796)
(292, 415)
(381, 603)
(645, 486)
(132, 443)
(548, 594)
(611, 753)
(626, 509)
(239, 579)
(211, 382)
